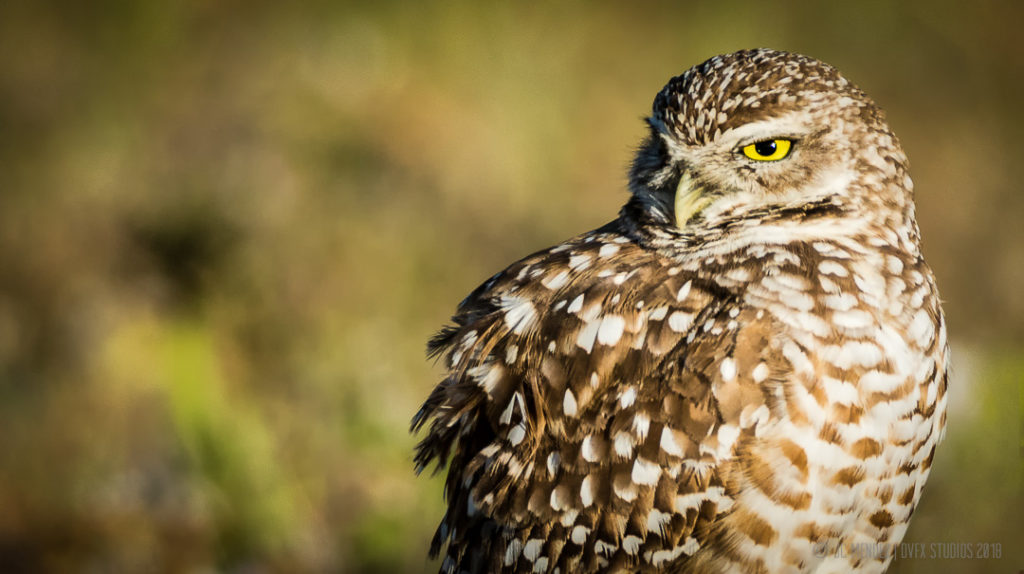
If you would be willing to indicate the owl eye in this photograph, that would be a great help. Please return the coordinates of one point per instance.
(768, 150)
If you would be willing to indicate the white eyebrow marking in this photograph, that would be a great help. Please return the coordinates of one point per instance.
(787, 126)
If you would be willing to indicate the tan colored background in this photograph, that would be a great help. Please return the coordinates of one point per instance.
(228, 228)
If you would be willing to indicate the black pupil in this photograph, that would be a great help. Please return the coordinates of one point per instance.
(765, 148)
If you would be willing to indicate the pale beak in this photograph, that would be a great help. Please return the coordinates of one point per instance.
(690, 199)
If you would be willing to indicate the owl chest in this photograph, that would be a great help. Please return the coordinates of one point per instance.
(842, 461)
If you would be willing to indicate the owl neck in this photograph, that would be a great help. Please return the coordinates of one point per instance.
(821, 219)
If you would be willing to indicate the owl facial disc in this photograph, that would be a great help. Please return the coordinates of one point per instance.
(690, 200)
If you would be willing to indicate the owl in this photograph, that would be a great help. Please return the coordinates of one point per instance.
(744, 372)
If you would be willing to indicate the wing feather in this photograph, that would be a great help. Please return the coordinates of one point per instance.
(581, 412)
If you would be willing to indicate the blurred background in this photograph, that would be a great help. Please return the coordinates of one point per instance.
(228, 228)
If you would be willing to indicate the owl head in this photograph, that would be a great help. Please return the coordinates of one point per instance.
(762, 133)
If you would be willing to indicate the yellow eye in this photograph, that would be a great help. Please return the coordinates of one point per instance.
(768, 150)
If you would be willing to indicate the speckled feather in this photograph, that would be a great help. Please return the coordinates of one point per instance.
(727, 395)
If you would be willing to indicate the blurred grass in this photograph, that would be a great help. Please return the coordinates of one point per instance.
(976, 488)
(227, 229)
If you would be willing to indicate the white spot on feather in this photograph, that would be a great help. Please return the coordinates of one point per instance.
(569, 404)
(607, 250)
(576, 304)
(922, 328)
(787, 281)
(657, 520)
(894, 264)
(680, 321)
(852, 319)
(553, 462)
(684, 291)
(728, 370)
(738, 274)
(623, 444)
(717, 495)
(760, 372)
(579, 534)
(641, 424)
(628, 397)
(610, 330)
(506, 415)
(557, 281)
(519, 314)
(830, 267)
(797, 300)
(793, 353)
(840, 301)
(517, 434)
(486, 375)
(645, 472)
(569, 517)
(662, 557)
(631, 544)
(669, 444)
(512, 552)
(840, 392)
(871, 284)
(579, 262)
(877, 381)
(532, 549)
(684, 502)
(690, 547)
(587, 491)
(587, 335)
(727, 435)
(862, 353)
(590, 453)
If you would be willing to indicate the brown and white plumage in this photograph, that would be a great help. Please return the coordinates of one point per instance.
(745, 371)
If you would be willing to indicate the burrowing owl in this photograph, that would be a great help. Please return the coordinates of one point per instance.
(744, 372)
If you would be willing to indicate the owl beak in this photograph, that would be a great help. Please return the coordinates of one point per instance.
(690, 199)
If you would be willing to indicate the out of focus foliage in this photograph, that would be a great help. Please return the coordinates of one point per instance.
(228, 228)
